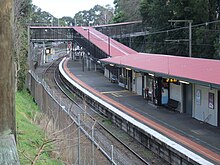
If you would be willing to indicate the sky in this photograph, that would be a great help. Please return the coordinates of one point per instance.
(60, 8)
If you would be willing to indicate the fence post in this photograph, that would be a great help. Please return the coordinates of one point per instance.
(112, 154)
(78, 139)
(93, 145)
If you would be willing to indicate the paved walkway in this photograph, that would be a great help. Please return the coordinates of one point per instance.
(200, 137)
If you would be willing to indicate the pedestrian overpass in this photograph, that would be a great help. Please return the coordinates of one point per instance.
(93, 43)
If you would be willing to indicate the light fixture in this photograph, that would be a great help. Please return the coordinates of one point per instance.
(48, 51)
(128, 68)
(184, 82)
(150, 74)
(111, 64)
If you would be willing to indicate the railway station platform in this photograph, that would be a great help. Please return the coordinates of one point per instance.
(204, 138)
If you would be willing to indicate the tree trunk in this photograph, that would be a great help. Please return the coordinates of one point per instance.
(7, 103)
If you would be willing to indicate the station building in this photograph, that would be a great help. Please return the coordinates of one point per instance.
(192, 84)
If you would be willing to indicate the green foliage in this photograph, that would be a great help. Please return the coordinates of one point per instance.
(126, 10)
(26, 14)
(156, 13)
(22, 10)
(29, 135)
(23, 53)
(119, 17)
(66, 21)
(41, 18)
(98, 15)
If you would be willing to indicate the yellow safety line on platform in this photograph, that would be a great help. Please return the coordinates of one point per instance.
(110, 92)
(116, 95)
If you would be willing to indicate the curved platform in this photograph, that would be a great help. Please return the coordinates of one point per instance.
(194, 140)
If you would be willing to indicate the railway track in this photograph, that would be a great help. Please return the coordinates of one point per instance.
(101, 133)
(96, 117)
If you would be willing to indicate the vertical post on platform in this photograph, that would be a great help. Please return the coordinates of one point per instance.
(83, 63)
(44, 54)
(72, 51)
(89, 45)
(109, 72)
(89, 39)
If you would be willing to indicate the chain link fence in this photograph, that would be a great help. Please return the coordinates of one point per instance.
(83, 140)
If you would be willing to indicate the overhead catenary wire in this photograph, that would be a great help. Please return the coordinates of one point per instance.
(180, 42)
(185, 27)
(150, 33)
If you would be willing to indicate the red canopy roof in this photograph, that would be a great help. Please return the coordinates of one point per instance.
(102, 42)
(204, 70)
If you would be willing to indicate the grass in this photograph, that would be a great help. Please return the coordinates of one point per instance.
(29, 135)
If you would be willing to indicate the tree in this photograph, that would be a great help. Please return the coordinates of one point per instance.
(156, 13)
(7, 109)
(41, 18)
(67, 21)
(97, 15)
(126, 10)
(26, 14)
(22, 10)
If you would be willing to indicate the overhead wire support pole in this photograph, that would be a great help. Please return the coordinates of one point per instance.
(190, 38)
(190, 33)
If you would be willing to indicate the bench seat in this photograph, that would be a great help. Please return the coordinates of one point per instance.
(172, 104)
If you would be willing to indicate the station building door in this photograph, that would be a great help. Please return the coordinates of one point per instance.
(153, 86)
(187, 99)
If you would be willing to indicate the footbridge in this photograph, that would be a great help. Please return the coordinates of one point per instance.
(90, 43)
